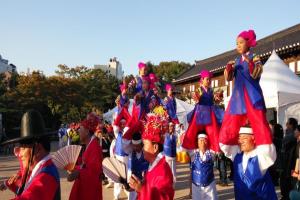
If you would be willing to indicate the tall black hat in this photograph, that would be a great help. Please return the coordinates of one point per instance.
(32, 128)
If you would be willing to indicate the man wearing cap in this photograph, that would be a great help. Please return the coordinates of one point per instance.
(39, 176)
(121, 151)
(202, 166)
(158, 181)
(170, 148)
(137, 164)
(251, 177)
(87, 183)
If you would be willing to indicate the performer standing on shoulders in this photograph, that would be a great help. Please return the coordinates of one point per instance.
(87, 183)
(158, 181)
(170, 104)
(122, 102)
(142, 73)
(247, 101)
(204, 116)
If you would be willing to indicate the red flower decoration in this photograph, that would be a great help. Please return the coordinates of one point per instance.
(91, 122)
(153, 128)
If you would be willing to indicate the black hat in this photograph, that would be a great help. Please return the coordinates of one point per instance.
(136, 138)
(32, 128)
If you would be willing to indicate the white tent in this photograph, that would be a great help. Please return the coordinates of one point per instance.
(281, 89)
(183, 109)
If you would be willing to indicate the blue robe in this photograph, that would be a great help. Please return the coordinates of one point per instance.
(146, 99)
(170, 146)
(119, 146)
(137, 166)
(204, 108)
(252, 185)
(170, 106)
(139, 85)
(242, 81)
(123, 100)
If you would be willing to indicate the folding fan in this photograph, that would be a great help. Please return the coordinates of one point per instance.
(66, 157)
(115, 170)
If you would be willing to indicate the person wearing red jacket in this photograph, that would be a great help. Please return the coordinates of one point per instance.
(158, 180)
(38, 177)
(87, 176)
(15, 181)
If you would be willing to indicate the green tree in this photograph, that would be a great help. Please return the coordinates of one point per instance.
(169, 70)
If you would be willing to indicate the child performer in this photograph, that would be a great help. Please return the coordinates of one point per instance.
(170, 104)
(203, 117)
(247, 101)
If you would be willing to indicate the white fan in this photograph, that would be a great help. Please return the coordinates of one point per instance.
(115, 170)
(66, 157)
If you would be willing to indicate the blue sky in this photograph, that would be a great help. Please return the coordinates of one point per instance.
(42, 34)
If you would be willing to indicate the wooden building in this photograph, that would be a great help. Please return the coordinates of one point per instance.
(286, 43)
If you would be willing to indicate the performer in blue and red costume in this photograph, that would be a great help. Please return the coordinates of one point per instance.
(122, 102)
(140, 109)
(139, 79)
(247, 101)
(170, 104)
(204, 116)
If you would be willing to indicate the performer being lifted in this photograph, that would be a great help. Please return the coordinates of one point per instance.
(170, 104)
(204, 116)
(247, 101)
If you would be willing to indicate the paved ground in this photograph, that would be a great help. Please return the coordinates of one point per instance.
(9, 165)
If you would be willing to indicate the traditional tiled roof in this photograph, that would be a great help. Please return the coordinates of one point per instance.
(283, 42)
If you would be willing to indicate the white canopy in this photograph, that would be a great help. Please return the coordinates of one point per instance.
(183, 109)
(281, 88)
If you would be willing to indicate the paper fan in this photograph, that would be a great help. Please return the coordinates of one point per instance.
(66, 157)
(115, 170)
